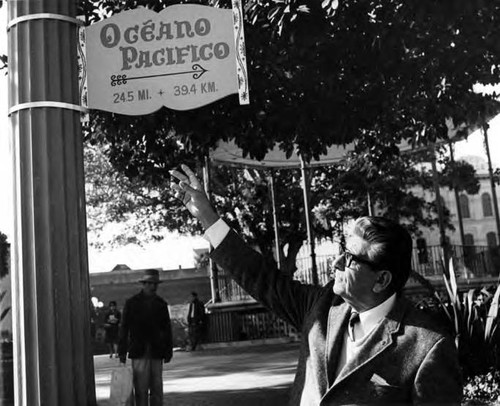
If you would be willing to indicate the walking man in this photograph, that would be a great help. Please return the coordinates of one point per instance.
(196, 320)
(146, 335)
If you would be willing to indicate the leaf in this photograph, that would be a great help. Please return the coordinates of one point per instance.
(492, 316)
(469, 309)
(4, 313)
(453, 303)
(453, 284)
(432, 290)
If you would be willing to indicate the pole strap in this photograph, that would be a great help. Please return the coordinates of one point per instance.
(43, 16)
(39, 104)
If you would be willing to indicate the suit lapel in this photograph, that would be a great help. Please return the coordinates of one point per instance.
(338, 317)
(376, 343)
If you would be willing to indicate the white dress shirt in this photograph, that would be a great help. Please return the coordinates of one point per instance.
(368, 320)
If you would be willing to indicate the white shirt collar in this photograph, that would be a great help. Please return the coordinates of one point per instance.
(370, 318)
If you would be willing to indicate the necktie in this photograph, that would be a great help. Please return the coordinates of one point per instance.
(353, 319)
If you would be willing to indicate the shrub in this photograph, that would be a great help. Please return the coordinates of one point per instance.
(483, 388)
(472, 317)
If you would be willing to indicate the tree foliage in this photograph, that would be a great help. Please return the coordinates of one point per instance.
(320, 74)
(324, 76)
(124, 211)
(460, 175)
(338, 193)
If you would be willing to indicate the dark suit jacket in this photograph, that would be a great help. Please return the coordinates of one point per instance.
(196, 312)
(145, 321)
(407, 359)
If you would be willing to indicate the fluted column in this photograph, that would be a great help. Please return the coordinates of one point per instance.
(53, 363)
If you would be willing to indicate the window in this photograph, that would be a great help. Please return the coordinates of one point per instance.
(469, 250)
(491, 239)
(486, 201)
(464, 206)
(469, 239)
(422, 251)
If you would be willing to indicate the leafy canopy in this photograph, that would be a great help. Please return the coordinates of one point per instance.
(321, 74)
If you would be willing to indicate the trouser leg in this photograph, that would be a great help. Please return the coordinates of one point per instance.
(194, 336)
(156, 383)
(141, 368)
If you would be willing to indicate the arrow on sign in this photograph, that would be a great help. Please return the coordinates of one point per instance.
(197, 71)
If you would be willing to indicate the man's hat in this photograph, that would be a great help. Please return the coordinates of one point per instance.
(151, 275)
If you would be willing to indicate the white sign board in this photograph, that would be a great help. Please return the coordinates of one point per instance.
(183, 57)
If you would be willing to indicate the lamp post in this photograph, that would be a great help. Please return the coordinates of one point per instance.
(457, 201)
(310, 237)
(275, 218)
(484, 128)
(214, 274)
(442, 234)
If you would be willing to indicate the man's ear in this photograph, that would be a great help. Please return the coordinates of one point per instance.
(384, 278)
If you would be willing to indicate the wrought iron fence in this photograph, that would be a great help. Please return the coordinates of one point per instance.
(247, 324)
(470, 262)
(251, 323)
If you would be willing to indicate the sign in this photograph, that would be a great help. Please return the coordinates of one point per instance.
(184, 57)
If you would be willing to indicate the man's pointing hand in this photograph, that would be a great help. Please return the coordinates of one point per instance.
(191, 193)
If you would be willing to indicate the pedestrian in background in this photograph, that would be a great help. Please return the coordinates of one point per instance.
(196, 321)
(111, 328)
(146, 335)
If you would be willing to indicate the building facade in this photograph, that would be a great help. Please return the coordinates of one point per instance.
(478, 213)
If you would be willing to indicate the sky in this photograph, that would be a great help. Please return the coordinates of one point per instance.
(174, 251)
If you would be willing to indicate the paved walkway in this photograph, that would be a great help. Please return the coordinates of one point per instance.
(258, 375)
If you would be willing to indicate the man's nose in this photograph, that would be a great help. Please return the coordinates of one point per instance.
(339, 263)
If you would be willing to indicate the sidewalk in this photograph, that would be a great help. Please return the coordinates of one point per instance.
(259, 375)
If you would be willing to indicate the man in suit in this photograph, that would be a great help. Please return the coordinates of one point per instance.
(146, 335)
(362, 341)
(196, 320)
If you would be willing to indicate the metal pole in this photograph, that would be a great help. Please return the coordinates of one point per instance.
(442, 234)
(485, 127)
(310, 237)
(369, 202)
(275, 219)
(214, 277)
(53, 363)
(457, 202)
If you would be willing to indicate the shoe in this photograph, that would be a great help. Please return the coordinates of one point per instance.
(110, 355)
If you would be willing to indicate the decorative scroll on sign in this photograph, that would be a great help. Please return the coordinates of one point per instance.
(182, 58)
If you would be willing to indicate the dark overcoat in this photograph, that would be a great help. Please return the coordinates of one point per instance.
(145, 321)
(407, 358)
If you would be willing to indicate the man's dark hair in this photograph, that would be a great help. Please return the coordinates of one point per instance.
(112, 303)
(194, 294)
(390, 247)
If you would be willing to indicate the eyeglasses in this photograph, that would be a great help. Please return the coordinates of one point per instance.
(349, 257)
